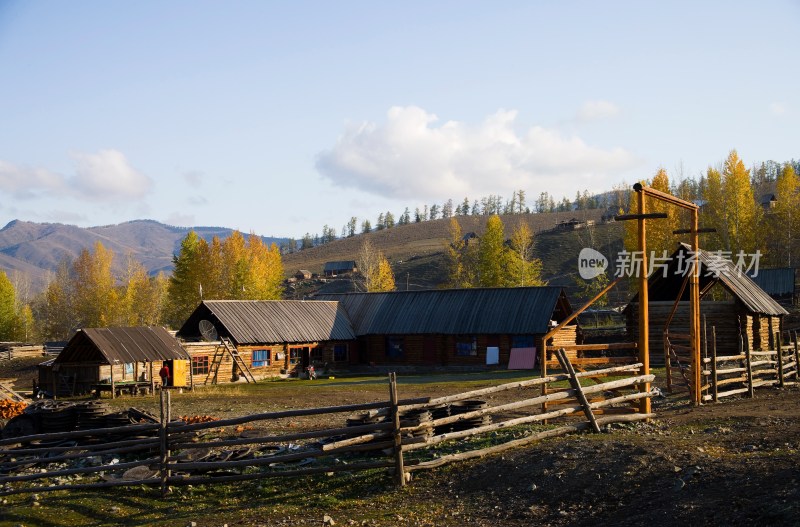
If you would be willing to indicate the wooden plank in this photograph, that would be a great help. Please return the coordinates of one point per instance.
(594, 347)
(576, 385)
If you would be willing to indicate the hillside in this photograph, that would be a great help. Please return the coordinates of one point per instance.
(37, 248)
(416, 251)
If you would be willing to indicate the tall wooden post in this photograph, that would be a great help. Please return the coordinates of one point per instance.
(694, 310)
(644, 318)
(399, 469)
(779, 356)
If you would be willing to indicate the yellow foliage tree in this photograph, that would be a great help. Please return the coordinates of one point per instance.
(523, 269)
(375, 268)
(786, 218)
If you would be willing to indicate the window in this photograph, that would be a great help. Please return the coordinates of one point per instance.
(200, 365)
(316, 354)
(340, 353)
(261, 358)
(394, 347)
(522, 341)
(467, 347)
(128, 369)
(294, 355)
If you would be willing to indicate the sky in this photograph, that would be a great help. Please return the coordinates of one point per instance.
(282, 117)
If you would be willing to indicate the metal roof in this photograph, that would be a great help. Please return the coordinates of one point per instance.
(713, 268)
(775, 282)
(515, 311)
(271, 321)
(121, 345)
(345, 265)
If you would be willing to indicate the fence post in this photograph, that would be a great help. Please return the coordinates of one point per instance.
(667, 361)
(166, 411)
(566, 365)
(714, 363)
(779, 347)
(399, 469)
(796, 358)
(749, 366)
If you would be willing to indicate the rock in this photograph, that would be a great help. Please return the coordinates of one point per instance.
(327, 520)
(114, 510)
(191, 524)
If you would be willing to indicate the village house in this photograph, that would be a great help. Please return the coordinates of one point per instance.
(114, 359)
(333, 269)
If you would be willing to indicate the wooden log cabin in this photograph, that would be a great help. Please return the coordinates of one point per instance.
(114, 359)
(730, 301)
(454, 327)
(266, 338)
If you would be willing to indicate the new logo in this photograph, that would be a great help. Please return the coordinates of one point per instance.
(591, 263)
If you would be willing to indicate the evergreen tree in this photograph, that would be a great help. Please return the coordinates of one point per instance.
(447, 209)
(434, 213)
(366, 227)
(184, 290)
(306, 242)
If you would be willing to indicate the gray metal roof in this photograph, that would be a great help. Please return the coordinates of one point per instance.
(120, 345)
(346, 265)
(775, 282)
(271, 321)
(515, 311)
(713, 268)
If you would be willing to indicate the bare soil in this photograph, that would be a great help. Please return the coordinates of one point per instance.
(736, 462)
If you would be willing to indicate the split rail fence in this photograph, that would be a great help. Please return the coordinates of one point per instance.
(401, 436)
(741, 373)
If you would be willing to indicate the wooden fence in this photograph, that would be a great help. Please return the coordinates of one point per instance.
(390, 435)
(741, 373)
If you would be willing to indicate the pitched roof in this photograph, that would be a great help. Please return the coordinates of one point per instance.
(515, 311)
(775, 282)
(345, 265)
(271, 321)
(121, 345)
(713, 268)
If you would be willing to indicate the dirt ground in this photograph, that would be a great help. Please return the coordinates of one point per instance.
(736, 462)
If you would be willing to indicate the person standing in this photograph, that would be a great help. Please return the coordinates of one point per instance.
(164, 374)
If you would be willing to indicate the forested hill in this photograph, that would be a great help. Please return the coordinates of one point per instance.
(37, 248)
(416, 251)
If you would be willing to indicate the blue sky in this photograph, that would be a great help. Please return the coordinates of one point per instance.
(281, 117)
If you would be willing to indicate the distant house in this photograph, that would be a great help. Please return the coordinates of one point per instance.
(777, 283)
(338, 268)
(97, 355)
(574, 224)
(468, 238)
(302, 274)
(768, 201)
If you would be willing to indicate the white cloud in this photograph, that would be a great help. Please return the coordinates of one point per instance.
(28, 183)
(104, 176)
(410, 157)
(179, 219)
(107, 176)
(596, 110)
(777, 108)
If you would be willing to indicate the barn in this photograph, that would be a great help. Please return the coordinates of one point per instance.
(730, 301)
(454, 327)
(229, 339)
(114, 359)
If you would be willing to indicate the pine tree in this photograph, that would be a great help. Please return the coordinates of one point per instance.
(184, 289)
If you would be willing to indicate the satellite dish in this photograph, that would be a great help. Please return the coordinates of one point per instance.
(208, 331)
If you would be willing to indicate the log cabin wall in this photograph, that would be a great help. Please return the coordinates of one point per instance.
(723, 315)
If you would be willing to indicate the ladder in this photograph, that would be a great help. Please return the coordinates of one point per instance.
(237, 359)
(227, 346)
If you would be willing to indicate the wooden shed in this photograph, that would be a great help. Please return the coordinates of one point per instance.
(228, 339)
(114, 359)
(454, 327)
(730, 301)
(338, 268)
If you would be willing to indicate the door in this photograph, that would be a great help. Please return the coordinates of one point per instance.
(429, 349)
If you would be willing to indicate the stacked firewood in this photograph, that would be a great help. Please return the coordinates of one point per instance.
(9, 408)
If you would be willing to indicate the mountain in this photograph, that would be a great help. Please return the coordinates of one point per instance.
(36, 249)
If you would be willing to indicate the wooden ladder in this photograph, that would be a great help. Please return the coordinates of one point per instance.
(237, 359)
(213, 368)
